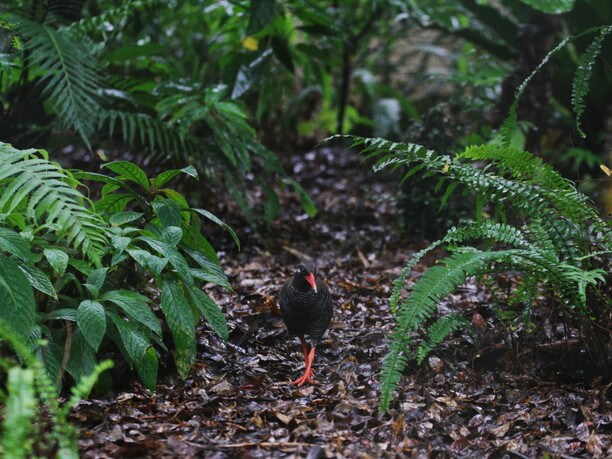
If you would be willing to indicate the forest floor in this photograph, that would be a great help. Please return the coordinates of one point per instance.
(468, 400)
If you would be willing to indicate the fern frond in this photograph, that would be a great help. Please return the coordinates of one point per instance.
(560, 210)
(117, 16)
(437, 332)
(435, 284)
(42, 188)
(70, 75)
(509, 125)
(580, 85)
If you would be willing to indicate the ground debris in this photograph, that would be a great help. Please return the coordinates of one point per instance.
(463, 402)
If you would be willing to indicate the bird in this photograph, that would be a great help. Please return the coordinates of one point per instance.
(306, 308)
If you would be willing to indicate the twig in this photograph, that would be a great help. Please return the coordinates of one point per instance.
(263, 444)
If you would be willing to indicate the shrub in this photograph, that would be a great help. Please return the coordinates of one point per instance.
(82, 273)
(556, 247)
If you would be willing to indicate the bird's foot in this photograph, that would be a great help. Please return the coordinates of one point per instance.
(307, 377)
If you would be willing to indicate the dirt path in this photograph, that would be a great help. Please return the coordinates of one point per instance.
(236, 403)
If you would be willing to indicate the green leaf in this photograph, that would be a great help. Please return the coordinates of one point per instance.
(129, 171)
(17, 306)
(305, 200)
(39, 280)
(133, 340)
(120, 242)
(149, 261)
(166, 176)
(182, 325)
(121, 218)
(210, 311)
(210, 270)
(221, 223)
(174, 256)
(172, 235)
(168, 212)
(82, 360)
(214, 277)
(135, 306)
(146, 367)
(58, 259)
(551, 6)
(63, 314)
(92, 322)
(95, 281)
(113, 203)
(13, 243)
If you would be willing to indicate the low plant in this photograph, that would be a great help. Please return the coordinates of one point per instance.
(88, 275)
(31, 402)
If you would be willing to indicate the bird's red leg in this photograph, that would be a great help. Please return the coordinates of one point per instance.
(308, 376)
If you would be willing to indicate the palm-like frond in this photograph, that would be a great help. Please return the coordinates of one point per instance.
(68, 72)
(580, 87)
(42, 190)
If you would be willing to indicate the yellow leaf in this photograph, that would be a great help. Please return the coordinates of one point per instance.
(606, 170)
(250, 43)
(446, 167)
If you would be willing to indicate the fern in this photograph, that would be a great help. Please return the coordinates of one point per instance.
(437, 332)
(435, 284)
(532, 197)
(580, 86)
(70, 74)
(115, 16)
(39, 187)
(35, 384)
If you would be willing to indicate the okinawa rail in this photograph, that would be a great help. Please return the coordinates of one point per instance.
(306, 308)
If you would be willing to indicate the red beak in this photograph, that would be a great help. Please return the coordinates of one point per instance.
(311, 280)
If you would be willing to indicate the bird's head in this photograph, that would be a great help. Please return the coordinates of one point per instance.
(304, 277)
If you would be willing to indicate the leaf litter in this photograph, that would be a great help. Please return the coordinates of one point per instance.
(466, 400)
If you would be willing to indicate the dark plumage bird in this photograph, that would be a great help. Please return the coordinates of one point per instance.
(306, 308)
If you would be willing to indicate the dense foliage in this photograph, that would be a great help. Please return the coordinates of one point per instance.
(80, 273)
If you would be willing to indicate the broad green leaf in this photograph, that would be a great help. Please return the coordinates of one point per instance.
(182, 325)
(13, 243)
(166, 176)
(58, 259)
(305, 200)
(212, 277)
(17, 306)
(168, 212)
(174, 256)
(120, 242)
(39, 280)
(551, 6)
(121, 218)
(146, 367)
(211, 272)
(95, 281)
(176, 197)
(92, 322)
(133, 340)
(63, 314)
(172, 235)
(82, 360)
(112, 203)
(129, 171)
(135, 306)
(209, 310)
(212, 217)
